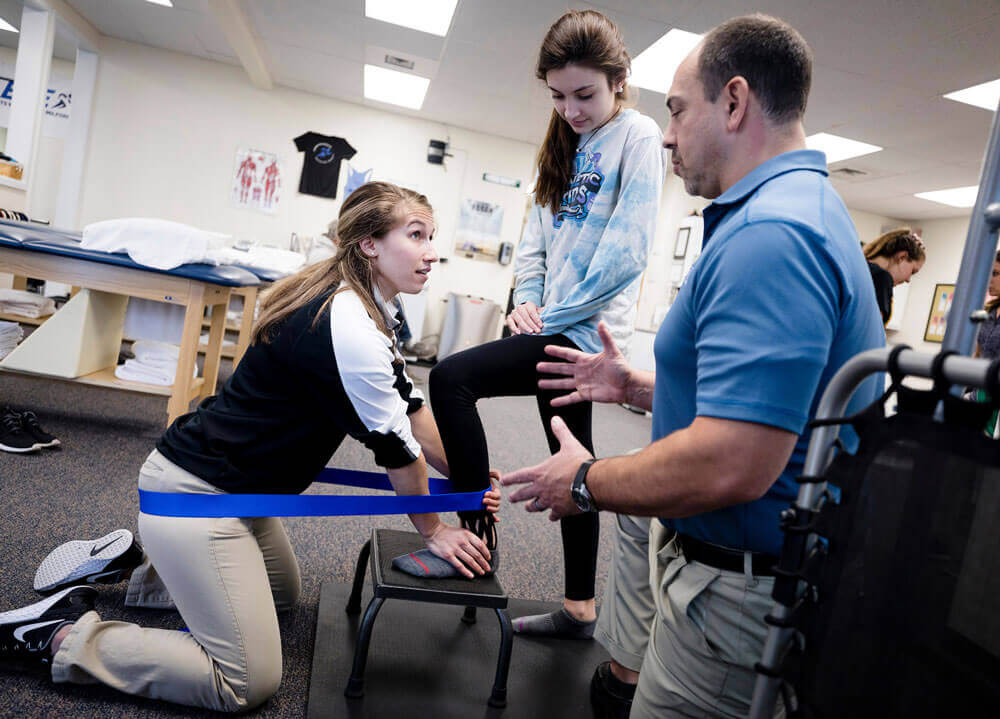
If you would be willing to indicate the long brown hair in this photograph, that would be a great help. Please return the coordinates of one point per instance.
(586, 38)
(888, 244)
(370, 211)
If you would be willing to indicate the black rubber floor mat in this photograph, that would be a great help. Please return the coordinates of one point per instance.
(425, 662)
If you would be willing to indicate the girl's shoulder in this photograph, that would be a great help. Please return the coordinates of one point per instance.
(639, 126)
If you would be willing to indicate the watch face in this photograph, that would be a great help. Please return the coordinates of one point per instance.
(579, 489)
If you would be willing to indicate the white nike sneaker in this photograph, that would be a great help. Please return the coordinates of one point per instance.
(26, 633)
(99, 561)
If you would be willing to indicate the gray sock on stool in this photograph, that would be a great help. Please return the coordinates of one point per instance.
(558, 625)
(425, 564)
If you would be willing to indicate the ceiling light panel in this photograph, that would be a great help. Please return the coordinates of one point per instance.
(955, 197)
(395, 88)
(655, 66)
(164, 3)
(839, 148)
(430, 16)
(6, 26)
(985, 95)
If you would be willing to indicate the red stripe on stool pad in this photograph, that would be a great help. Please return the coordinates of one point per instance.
(417, 560)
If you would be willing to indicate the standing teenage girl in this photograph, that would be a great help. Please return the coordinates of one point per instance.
(893, 258)
(600, 173)
(323, 365)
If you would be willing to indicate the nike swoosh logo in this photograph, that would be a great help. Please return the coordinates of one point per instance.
(98, 550)
(94, 578)
(21, 631)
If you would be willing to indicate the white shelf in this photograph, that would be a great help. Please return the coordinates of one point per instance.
(11, 182)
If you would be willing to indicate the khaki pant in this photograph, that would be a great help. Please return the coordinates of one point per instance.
(627, 611)
(226, 577)
(704, 627)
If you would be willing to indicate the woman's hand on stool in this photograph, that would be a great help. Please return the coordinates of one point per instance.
(460, 548)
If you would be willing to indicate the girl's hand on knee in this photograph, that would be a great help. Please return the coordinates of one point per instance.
(525, 319)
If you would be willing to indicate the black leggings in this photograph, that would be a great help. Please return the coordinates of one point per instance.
(506, 368)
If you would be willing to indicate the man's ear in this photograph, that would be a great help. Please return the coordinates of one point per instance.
(369, 247)
(736, 96)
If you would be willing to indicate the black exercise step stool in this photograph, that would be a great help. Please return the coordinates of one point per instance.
(390, 583)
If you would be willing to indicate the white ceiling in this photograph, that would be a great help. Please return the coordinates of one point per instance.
(881, 67)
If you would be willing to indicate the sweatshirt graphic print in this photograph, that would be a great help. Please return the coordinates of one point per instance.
(582, 264)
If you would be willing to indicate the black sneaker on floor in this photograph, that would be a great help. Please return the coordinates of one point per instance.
(13, 436)
(29, 421)
(26, 633)
(610, 697)
(99, 561)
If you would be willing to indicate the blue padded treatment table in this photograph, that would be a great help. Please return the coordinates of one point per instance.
(14, 227)
(28, 250)
(27, 233)
(13, 233)
(263, 274)
(227, 275)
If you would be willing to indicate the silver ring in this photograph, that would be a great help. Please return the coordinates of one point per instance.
(538, 507)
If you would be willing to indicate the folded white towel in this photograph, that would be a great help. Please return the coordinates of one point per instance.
(150, 349)
(138, 372)
(261, 258)
(153, 242)
(135, 370)
(159, 363)
(10, 334)
(28, 304)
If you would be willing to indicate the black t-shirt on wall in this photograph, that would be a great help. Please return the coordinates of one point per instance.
(321, 166)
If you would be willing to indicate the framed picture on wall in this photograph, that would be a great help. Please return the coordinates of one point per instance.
(937, 319)
(681, 244)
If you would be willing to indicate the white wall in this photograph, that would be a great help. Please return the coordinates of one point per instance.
(166, 128)
(675, 205)
(869, 225)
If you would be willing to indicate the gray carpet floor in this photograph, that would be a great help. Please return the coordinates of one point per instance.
(87, 488)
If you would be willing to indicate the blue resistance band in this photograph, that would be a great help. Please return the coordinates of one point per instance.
(441, 499)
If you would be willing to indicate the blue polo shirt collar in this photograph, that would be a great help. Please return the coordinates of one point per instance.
(777, 165)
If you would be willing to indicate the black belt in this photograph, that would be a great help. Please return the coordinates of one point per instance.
(731, 560)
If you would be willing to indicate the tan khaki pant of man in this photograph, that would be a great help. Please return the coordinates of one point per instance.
(226, 577)
(693, 632)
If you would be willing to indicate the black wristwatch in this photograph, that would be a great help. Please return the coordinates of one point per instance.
(579, 492)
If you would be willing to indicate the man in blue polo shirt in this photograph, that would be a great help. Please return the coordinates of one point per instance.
(778, 301)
